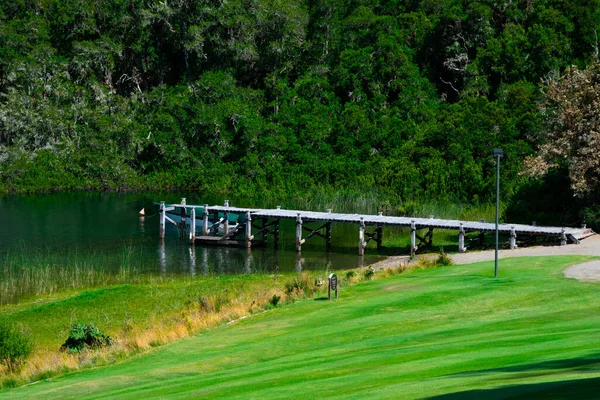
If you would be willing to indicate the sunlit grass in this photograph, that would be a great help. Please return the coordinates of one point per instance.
(144, 315)
(445, 331)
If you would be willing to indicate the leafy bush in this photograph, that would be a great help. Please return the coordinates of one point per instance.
(85, 336)
(15, 346)
(368, 274)
(443, 259)
(274, 300)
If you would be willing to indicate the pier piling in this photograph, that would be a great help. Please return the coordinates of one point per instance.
(163, 215)
(513, 239)
(461, 239)
(216, 228)
(205, 221)
(413, 238)
(193, 226)
(299, 240)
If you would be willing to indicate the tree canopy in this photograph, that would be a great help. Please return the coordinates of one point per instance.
(281, 96)
(572, 139)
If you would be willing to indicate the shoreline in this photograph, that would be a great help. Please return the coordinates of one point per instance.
(585, 272)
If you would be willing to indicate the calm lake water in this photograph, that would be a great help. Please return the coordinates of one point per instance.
(106, 226)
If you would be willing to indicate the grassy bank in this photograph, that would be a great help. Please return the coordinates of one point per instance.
(428, 333)
(153, 311)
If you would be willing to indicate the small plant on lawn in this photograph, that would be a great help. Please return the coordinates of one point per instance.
(15, 347)
(368, 274)
(85, 336)
(443, 260)
(273, 301)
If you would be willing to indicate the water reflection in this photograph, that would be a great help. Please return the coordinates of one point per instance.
(299, 262)
(204, 261)
(249, 261)
(104, 229)
(162, 256)
(192, 251)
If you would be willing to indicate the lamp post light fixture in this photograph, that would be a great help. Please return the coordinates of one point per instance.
(498, 154)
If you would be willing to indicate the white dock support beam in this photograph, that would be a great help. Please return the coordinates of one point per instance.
(563, 238)
(461, 239)
(361, 237)
(226, 222)
(193, 226)
(299, 240)
(248, 230)
(513, 238)
(205, 221)
(162, 219)
(183, 222)
(413, 238)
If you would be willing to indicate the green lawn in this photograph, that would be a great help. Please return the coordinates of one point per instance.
(426, 333)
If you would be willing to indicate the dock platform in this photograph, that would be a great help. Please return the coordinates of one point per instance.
(248, 227)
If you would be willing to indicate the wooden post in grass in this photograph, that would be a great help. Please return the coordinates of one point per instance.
(205, 221)
(248, 230)
(361, 237)
(193, 226)
(162, 219)
(513, 238)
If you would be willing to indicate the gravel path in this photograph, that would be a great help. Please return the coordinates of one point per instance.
(586, 272)
(589, 246)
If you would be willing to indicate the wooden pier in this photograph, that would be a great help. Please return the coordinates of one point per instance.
(248, 227)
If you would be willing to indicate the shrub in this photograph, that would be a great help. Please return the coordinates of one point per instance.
(443, 259)
(85, 336)
(15, 346)
(368, 274)
(274, 300)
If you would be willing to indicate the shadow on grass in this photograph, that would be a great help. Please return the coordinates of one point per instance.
(572, 389)
(566, 389)
(590, 362)
(321, 298)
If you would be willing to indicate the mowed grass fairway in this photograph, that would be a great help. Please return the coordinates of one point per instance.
(426, 333)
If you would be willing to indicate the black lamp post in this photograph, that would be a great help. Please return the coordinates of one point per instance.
(498, 153)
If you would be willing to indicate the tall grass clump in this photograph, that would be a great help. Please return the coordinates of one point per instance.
(25, 272)
(440, 260)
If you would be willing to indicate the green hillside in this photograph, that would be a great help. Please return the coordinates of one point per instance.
(282, 97)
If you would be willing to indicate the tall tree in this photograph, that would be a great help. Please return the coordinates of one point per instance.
(572, 135)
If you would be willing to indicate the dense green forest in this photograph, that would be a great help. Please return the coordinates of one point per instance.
(283, 97)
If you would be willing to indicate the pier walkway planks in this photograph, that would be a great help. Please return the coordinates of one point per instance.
(363, 220)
